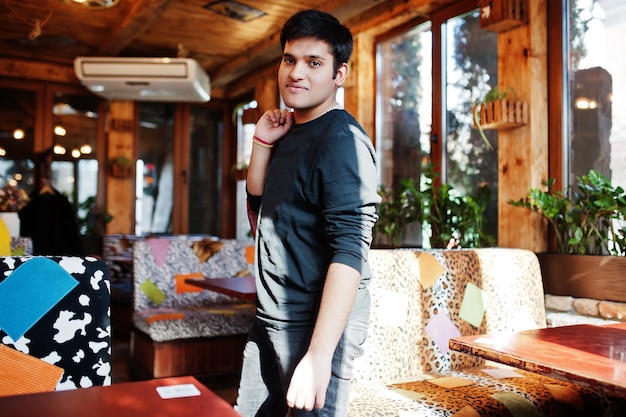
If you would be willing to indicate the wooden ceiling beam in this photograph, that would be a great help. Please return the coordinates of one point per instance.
(142, 14)
(263, 53)
(37, 70)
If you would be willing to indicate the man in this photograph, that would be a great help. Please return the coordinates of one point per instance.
(312, 181)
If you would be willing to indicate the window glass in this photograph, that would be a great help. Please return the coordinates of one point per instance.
(246, 122)
(471, 70)
(74, 133)
(17, 121)
(205, 167)
(597, 111)
(404, 109)
(155, 170)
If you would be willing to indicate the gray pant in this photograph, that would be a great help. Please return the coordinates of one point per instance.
(271, 355)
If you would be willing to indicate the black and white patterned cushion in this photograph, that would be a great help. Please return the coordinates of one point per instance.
(75, 333)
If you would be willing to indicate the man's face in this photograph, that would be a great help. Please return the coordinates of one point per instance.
(307, 79)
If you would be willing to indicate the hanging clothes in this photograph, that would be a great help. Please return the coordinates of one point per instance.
(50, 221)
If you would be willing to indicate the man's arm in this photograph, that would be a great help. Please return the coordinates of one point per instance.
(309, 382)
(271, 126)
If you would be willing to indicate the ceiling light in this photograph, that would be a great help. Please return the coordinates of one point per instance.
(86, 149)
(584, 103)
(60, 130)
(75, 153)
(234, 10)
(18, 134)
(92, 4)
(59, 150)
(3, 152)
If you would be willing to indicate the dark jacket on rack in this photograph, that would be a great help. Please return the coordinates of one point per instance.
(50, 221)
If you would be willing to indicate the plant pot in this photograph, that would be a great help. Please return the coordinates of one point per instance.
(584, 276)
(501, 114)
(121, 171)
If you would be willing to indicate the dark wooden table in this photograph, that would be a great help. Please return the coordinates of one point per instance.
(132, 399)
(240, 287)
(588, 355)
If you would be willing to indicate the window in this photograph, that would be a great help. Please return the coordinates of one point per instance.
(205, 166)
(155, 170)
(17, 131)
(595, 109)
(471, 70)
(411, 108)
(74, 136)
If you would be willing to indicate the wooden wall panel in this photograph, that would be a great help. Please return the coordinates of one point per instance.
(360, 87)
(120, 199)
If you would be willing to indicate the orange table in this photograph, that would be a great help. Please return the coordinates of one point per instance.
(593, 356)
(240, 287)
(132, 399)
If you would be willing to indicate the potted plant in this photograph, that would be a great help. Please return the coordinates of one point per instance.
(92, 224)
(498, 110)
(12, 200)
(449, 218)
(588, 221)
(397, 209)
(120, 167)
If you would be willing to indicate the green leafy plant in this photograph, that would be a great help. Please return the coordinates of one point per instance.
(121, 161)
(491, 96)
(397, 209)
(451, 219)
(456, 220)
(590, 222)
(120, 166)
(95, 218)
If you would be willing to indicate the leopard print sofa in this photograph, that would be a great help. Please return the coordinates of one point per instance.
(420, 298)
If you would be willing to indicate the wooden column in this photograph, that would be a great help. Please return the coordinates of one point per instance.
(523, 151)
(120, 192)
(360, 87)
(266, 94)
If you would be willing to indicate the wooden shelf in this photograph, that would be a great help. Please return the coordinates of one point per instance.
(502, 15)
(501, 114)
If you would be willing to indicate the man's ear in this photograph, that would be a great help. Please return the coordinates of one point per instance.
(342, 74)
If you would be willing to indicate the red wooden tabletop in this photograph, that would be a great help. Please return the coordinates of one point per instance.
(240, 287)
(589, 355)
(132, 399)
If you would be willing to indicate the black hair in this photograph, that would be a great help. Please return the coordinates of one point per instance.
(320, 26)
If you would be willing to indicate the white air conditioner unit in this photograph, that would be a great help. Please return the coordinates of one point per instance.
(144, 79)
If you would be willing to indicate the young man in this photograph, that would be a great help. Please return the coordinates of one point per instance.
(312, 182)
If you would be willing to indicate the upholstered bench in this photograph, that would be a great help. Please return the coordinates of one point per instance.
(117, 251)
(181, 329)
(422, 298)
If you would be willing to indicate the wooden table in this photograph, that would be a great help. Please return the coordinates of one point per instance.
(240, 287)
(132, 399)
(593, 356)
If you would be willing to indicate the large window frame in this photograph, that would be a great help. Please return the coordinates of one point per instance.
(438, 131)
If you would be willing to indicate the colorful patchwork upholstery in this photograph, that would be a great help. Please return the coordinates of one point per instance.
(54, 324)
(422, 298)
(21, 246)
(167, 309)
